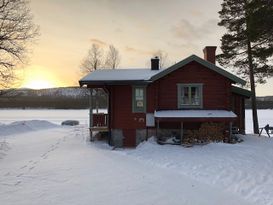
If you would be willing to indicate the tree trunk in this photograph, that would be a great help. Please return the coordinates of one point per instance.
(252, 85)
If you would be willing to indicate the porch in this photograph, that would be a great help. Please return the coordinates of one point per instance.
(99, 122)
(98, 113)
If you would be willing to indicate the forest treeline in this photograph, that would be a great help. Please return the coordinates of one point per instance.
(54, 98)
(75, 98)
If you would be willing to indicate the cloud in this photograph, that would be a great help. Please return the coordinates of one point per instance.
(138, 51)
(197, 13)
(98, 42)
(190, 46)
(190, 38)
(184, 29)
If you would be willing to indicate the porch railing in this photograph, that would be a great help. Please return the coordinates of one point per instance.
(100, 120)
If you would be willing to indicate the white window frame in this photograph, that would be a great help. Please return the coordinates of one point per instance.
(181, 87)
(136, 109)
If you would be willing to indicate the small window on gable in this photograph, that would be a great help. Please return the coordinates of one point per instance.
(139, 99)
(190, 96)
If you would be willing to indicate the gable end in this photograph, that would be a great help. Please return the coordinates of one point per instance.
(207, 64)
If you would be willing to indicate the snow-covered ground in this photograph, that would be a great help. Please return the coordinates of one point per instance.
(44, 163)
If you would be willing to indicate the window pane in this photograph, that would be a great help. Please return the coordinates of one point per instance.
(139, 94)
(195, 96)
(136, 92)
(185, 96)
(193, 91)
(186, 91)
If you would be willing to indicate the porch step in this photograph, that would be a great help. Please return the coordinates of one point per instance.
(99, 129)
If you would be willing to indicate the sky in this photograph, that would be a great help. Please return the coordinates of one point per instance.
(137, 28)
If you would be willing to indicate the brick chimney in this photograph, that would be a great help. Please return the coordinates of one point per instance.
(209, 53)
(155, 63)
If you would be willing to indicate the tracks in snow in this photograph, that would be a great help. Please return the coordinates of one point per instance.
(19, 174)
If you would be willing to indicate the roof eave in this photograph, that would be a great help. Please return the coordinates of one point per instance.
(241, 91)
(115, 82)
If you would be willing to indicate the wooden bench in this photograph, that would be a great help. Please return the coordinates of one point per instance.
(268, 130)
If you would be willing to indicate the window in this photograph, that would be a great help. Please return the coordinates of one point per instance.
(190, 95)
(139, 99)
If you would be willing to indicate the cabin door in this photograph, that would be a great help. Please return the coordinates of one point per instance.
(129, 139)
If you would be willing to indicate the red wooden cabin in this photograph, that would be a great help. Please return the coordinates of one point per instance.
(152, 102)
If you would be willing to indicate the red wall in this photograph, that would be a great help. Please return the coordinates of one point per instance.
(216, 88)
(121, 111)
(162, 94)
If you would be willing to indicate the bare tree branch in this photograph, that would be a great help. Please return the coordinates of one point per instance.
(113, 58)
(93, 60)
(17, 32)
(96, 60)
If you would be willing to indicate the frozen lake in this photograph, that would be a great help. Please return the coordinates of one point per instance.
(265, 117)
(57, 116)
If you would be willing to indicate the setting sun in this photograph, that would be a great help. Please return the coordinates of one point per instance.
(38, 77)
(39, 84)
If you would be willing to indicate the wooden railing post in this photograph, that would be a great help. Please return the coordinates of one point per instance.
(91, 114)
(181, 132)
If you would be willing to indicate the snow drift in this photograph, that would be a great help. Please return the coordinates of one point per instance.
(24, 126)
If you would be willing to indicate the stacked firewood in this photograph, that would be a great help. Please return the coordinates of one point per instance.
(208, 132)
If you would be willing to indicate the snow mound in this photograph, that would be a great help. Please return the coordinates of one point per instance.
(25, 126)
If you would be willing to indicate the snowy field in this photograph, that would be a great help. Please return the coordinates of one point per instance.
(44, 163)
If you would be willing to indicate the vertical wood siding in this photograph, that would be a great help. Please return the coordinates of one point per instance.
(122, 115)
(216, 88)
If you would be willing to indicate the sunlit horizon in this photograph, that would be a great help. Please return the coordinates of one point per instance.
(38, 77)
(38, 84)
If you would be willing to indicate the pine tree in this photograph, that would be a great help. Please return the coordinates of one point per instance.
(247, 45)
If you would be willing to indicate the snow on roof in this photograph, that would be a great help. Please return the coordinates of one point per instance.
(194, 114)
(121, 74)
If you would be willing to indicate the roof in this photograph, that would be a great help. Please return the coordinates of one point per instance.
(194, 114)
(120, 75)
(241, 91)
(123, 76)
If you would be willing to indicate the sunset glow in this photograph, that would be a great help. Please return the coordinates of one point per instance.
(39, 84)
(37, 77)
